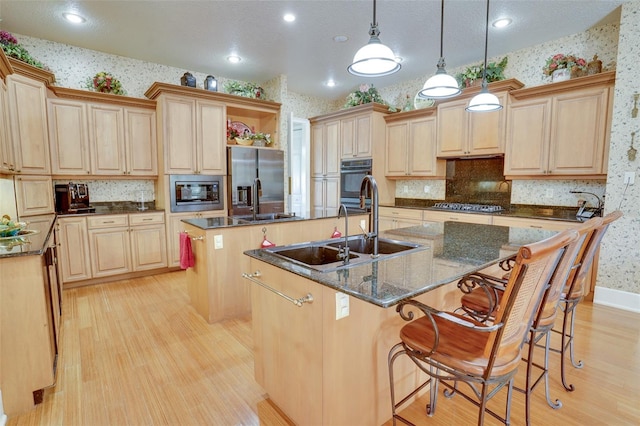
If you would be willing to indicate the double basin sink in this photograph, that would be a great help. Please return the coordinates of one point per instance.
(324, 256)
(266, 217)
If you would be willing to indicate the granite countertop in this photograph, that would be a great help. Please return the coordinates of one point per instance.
(29, 245)
(388, 280)
(230, 221)
(117, 207)
(563, 213)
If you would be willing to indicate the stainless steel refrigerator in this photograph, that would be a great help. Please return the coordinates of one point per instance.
(244, 165)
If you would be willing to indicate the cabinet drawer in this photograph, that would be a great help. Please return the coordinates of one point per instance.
(443, 216)
(146, 218)
(401, 213)
(108, 221)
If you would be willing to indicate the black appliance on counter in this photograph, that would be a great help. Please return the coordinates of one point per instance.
(192, 193)
(351, 174)
(73, 198)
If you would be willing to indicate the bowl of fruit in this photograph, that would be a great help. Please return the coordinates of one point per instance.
(10, 228)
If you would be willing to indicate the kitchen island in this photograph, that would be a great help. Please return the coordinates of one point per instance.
(319, 369)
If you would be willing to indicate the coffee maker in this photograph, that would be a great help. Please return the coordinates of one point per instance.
(73, 198)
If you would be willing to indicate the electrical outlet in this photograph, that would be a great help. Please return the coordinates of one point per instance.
(405, 189)
(427, 189)
(342, 305)
(629, 178)
(363, 224)
(217, 242)
(549, 193)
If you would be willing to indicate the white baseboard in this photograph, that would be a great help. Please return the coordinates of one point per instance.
(617, 299)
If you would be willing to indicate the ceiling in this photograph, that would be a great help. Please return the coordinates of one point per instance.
(198, 36)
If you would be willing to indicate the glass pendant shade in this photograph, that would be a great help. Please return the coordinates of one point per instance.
(441, 85)
(374, 59)
(484, 101)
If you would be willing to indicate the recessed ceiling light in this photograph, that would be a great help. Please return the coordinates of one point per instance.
(289, 17)
(73, 18)
(234, 59)
(331, 83)
(501, 23)
(340, 38)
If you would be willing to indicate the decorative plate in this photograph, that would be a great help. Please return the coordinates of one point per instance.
(21, 234)
(240, 127)
(419, 103)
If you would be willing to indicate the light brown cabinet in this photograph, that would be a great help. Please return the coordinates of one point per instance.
(193, 135)
(7, 157)
(560, 129)
(411, 148)
(28, 124)
(175, 226)
(355, 138)
(148, 241)
(461, 133)
(106, 133)
(393, 218)
(326, 196)
(69, 136)
(325, 149)
(444, 216)
(34, 195)
(74, 257)
(141, 147)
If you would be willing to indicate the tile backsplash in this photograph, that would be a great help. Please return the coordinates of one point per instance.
(116, 190)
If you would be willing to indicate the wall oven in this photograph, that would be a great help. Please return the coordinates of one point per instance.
(351, 174)
(192, 193)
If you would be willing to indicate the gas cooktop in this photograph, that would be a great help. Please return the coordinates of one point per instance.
(482, 208)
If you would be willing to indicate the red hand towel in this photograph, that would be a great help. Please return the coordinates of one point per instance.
(186, 253)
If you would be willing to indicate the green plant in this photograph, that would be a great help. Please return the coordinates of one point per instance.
(105, 82)
(495, 72)
(364, 95)
(12, 49)
(248, 90)
(261, 136)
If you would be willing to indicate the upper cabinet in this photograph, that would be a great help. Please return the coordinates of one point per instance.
(466, 134)
(355, 135)
(560, 129)
(7, 158)
(28, 124)
(325, 149)
(192, 126)
(411, 146)
(101, 134)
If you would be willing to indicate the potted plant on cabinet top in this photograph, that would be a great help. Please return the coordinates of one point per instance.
(563, 67)
(473, 74)
(9, 44)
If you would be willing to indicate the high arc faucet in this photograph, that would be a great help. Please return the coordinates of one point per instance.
(344, 252)
(369, 185)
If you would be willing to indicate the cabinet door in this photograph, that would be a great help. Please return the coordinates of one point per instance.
(7, 159)
(74, 249)
(211, 137)
(106, 133)
(69, 137)
(348, 137)
(317, 197)
(397, 149)
(317, 150)
(528, 128)
(332, 149)
(179, 135)
(34, 195)
(452, 129)
(363, 148)
(486, 132)
(140, 142)
(110, 251)
(28, 118)
(148, 247)
(422, 149)
(578, 137)
(325, 198)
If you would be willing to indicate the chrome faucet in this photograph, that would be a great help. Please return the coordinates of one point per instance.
(369, 182)
(257, 189)
(344, 251)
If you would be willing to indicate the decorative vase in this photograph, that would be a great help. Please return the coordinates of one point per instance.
(560, 74)
(188, 80)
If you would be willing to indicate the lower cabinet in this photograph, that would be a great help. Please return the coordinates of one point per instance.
(175, 226)
(444, 216)
(106, 245)
(392, 218)
(326, 196)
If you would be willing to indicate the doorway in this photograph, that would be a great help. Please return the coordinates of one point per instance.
(299, 166)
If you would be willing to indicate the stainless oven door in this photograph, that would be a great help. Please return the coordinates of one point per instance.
(351, 174)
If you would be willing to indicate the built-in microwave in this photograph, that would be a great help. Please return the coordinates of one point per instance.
(192, 193)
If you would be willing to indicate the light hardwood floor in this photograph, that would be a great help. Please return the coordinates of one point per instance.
(135, 353)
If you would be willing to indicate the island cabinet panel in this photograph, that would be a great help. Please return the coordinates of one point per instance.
(28, 125)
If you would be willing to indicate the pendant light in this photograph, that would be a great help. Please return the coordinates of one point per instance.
(441, 85)
(374, 59)
(484, 101)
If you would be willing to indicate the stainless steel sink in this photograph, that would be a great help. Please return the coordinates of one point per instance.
(267, 217)
(360, 244)
(313, 255)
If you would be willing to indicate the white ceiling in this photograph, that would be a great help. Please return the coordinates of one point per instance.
(199, 35)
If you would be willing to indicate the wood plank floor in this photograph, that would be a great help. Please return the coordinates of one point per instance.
(135, 353)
